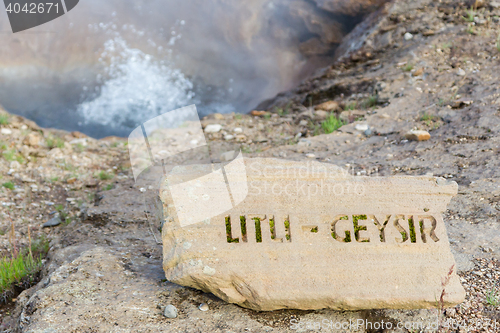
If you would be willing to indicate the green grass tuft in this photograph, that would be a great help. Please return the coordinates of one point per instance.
(370, 102)
(9, 185)
(351, 106)
(493, 298)
(54, 142)
(408, 67)
(4, 119)
(471, 13)
(21, 269)
(13, 271)
(331, 124)
(103, 175)
(12, 155)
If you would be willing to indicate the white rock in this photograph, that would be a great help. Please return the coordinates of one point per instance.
(361, 127)
(203, 307)
(14, 165)
(408, 36)
(460, 72)
(310, 156)
(213, 128)
(238, 130)
(6, 131)
(170, 311)
(229, 137)
(83, 142)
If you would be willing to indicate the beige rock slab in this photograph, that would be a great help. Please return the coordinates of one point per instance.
(310, 236)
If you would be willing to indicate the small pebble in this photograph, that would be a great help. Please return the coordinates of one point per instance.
(238, 130)
(170, 311)
(213, 128)
(361, 127)
(310, 156)
(460, 72)
(203, 307)
(408, 36)
(417, 135)
(53, 222)
(229, 137)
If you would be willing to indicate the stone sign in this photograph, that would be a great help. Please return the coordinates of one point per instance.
(307, 235)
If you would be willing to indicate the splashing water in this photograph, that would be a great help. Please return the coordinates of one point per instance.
(135, 88)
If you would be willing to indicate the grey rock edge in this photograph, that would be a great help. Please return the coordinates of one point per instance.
(304, 265)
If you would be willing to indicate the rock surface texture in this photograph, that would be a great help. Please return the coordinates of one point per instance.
(310, 236)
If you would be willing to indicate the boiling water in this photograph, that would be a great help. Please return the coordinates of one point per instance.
(106, 67)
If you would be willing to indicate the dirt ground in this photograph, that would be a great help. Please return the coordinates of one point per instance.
(425, 65)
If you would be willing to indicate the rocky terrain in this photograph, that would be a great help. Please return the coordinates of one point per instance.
(414, 65)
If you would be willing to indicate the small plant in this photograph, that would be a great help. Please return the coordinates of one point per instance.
(12, 155)
(103, 175)
(471, 13)
(470, 30)
(4, 119)
(109, 187)
(267, 116)
(331, 124)
(63, 215)
(287, 230)
(238, 116)
(21, 268)
(446, 45)
(408, 67)
(316, 130)
(440, 302)
(54, 142)
(15, 270)
(351, 106)
(79, 147)
(370, 102)
(493, 298)
(498, 43)
(428, 119)
(9, 185)
(246, 150)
